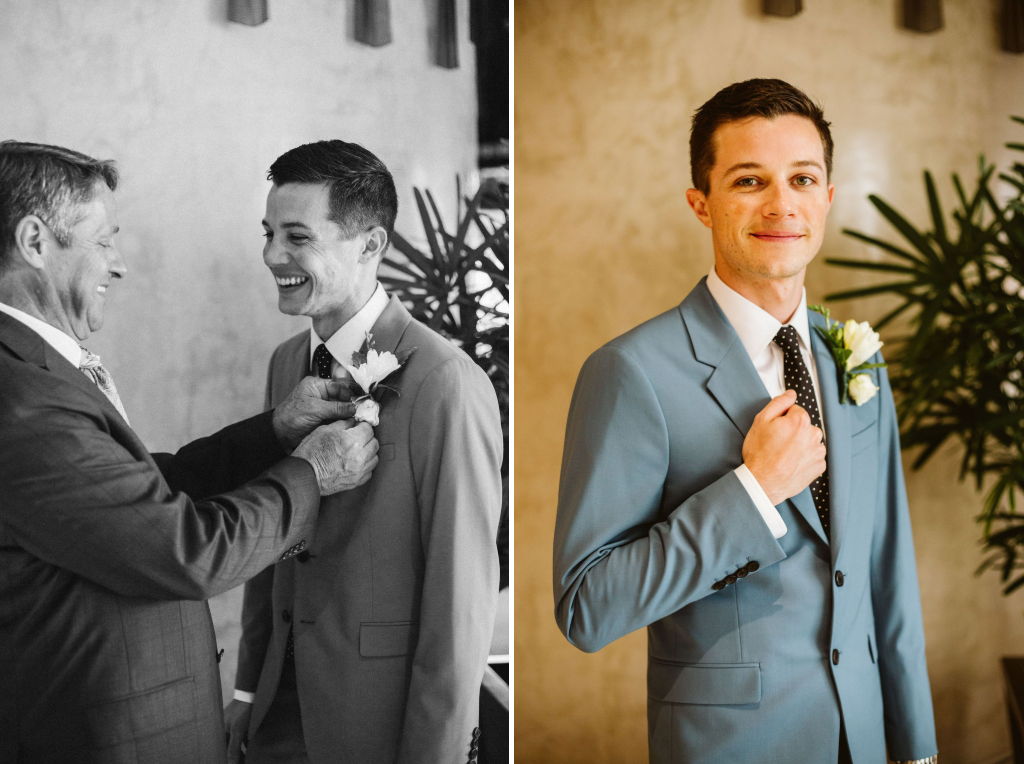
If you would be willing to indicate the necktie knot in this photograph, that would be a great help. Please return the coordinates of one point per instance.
(92, 368)
(89, 360)
(787, 338)
(322, 359)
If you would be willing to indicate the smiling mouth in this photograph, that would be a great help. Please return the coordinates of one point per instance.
(102, 289)
(777, 236)
(290, 282)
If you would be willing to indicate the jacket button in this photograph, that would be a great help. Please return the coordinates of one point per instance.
(731, 578)
(302, 556)
(835, 657)
(752, 566)
(718, 586)
(742, 572)
(839, 578)
(476, 733)
(286, 616)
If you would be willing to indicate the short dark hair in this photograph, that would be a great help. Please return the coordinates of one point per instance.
(49, 181)
(753, 98)
(362, 191)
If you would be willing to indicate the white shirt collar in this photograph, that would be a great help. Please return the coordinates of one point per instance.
(349, 338)
(64, 344)
(756, 327)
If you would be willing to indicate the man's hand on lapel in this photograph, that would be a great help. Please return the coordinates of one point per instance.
(783, 450)
(313, 402)
(343, 455)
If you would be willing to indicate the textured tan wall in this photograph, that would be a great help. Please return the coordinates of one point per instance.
(195, 109)
(604, 240)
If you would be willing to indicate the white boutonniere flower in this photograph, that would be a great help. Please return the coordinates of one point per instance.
(369, 372)
(852, 344)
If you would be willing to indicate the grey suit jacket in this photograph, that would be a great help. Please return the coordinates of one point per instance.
(651, 517)
(107, 651)
(393, 607)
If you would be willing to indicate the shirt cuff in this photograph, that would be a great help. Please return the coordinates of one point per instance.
(764, 505)
(245, 697)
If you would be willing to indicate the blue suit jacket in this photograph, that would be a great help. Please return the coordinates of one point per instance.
(651, 516)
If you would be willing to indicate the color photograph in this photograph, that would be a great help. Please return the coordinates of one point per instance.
(769, 257)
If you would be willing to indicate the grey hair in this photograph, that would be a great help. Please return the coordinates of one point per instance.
(51, 182)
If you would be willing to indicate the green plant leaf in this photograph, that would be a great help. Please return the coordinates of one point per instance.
(891, 248)
(910, 233)
(870, 265)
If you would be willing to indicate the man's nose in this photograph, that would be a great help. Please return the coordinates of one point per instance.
(779, 201)
(274, 253)
(117, 265)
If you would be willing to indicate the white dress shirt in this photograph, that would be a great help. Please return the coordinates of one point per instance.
(350, 337)
(757, 329)
(342, 344)
(64, 344)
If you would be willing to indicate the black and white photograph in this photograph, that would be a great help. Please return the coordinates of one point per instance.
(255, 303)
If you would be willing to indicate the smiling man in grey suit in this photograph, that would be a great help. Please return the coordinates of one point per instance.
(776, 576)
(108, 552)
(372, 645)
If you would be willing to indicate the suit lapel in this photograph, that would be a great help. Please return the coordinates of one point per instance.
(837, 434)
(390, 326)
(734, 384)
(32, 348)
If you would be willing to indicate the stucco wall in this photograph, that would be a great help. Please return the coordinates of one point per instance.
(195, 109)
(604, 239)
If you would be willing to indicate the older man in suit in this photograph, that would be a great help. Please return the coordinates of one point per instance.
(371, 646)
(775, 576)
(108, 552)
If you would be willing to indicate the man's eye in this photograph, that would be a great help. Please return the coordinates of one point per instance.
(298, 239)
(747, 182)
(268, 235)
(804, 180)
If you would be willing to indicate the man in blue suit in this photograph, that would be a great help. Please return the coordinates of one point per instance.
(715, 490)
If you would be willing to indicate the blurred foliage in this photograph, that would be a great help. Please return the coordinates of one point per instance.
(459, 287)
(957, 374)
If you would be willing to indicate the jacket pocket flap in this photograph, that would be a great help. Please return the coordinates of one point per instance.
(381, 640)
(707, 684)
(143, 714)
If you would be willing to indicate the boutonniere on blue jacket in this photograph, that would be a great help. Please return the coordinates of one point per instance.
(368, 371)
(852, 344)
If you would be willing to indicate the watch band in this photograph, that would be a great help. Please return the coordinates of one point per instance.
(930, 760)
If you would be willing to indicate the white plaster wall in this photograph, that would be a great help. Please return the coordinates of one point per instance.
(195, 109)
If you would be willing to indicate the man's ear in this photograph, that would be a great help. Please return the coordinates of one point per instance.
(699, 204)
(31, 240)
(376, 243)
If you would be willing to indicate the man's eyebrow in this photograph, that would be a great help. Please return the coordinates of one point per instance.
(756, 166)
(744, 166)
(289, 224)
(809, 163)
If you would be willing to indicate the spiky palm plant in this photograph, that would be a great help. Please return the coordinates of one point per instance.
(957, 374)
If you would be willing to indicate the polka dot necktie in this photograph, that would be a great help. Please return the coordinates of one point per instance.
(322, 359)
(799, 379)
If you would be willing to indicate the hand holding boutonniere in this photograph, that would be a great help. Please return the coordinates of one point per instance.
(852, 344)
(368, 372)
